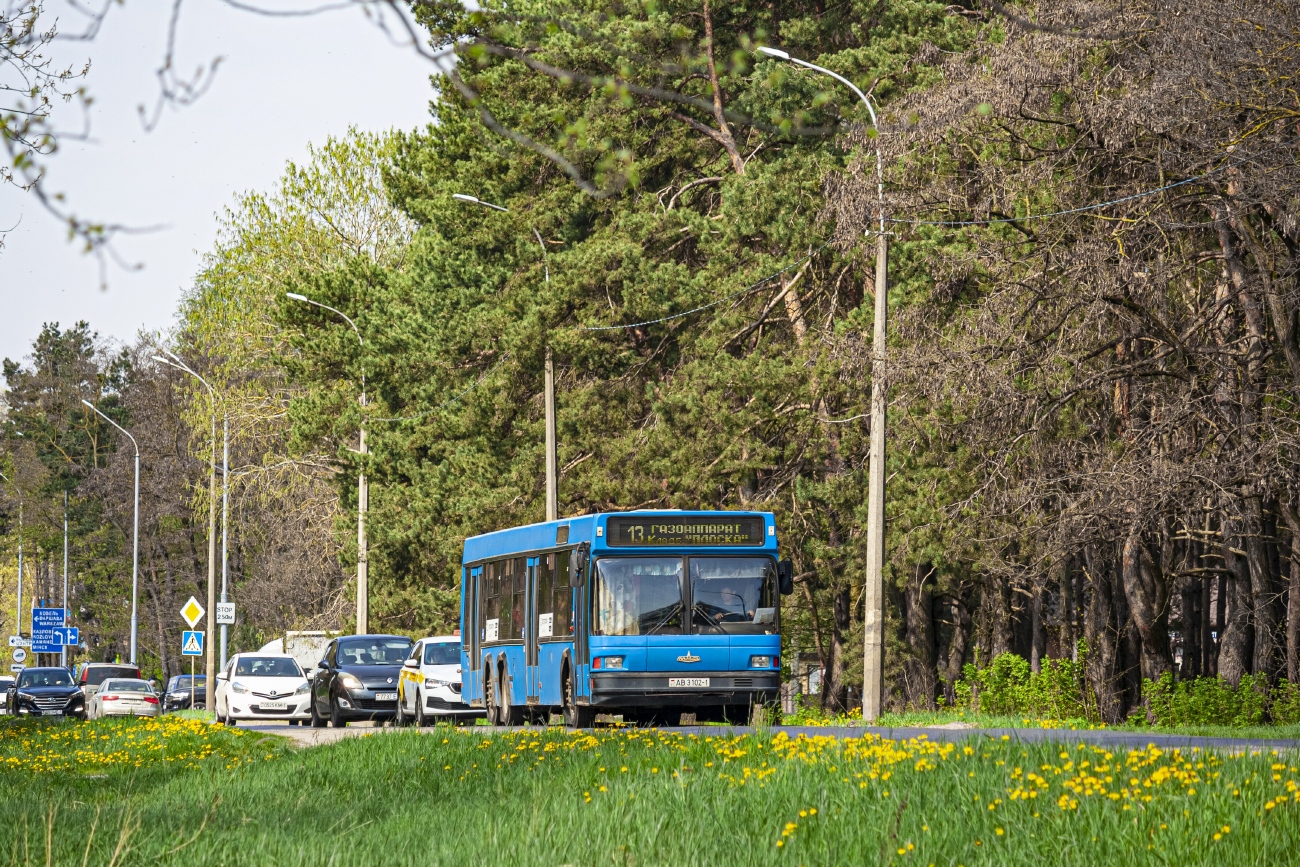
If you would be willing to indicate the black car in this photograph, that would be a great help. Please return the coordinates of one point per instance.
(46, 692)
(357, 679)
(179, 693)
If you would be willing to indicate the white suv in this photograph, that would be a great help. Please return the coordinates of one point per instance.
(430, 683)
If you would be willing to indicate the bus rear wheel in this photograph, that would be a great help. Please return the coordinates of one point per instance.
(576, 716)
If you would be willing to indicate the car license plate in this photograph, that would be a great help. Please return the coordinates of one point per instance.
(273, 705)
(385, 696)
(52, 713)
(687, 681)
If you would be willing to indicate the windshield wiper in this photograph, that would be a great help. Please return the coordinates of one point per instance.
(706, 617)
(672, 612)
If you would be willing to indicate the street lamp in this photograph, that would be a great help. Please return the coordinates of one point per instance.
(135, 532)
(173, 360)
(18, 628)
(874, 615)
(552, 469)
(363, 486)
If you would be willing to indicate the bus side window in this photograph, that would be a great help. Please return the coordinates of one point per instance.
(563, 604)
(546, 596)
(489, 599)
(519, 568)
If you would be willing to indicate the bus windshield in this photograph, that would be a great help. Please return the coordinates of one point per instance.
(733, 594)
(638, 596)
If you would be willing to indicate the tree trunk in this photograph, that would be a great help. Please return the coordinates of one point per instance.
(1147, 594)
(1264, 592)
(1066, 578)
(1237, 640)
(919, 667)
(834, 691)
(956, 647)
(1292, 593)
(1037, 630)
(997, 614)
(1101, 633)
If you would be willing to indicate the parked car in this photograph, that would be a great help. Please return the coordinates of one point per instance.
(5, 683)
(90, 675)
(45, 692)
(122, 696)
(178, 693)
(429, 685)
(262, 686)
(357, 679)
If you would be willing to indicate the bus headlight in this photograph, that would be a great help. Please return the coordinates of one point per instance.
(760, 662)
(607, 662)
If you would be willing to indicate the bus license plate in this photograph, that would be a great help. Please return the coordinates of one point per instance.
(687, 681)
(385, 696)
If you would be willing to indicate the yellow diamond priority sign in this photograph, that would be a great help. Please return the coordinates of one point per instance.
(192, 612)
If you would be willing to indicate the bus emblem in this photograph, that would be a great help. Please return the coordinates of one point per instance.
(688, 658)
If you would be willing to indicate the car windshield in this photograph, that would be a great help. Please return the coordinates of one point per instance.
(441, 654)
(45, 677)
(182, 683)
(267, 666)
(733, 594)
(638, 596)
(125, 686)
(97, 674)
(374, 651)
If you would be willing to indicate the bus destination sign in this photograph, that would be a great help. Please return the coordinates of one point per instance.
(661, 530)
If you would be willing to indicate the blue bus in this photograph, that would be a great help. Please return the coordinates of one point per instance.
(648, 614)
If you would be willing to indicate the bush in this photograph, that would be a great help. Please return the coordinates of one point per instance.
(1008, 687)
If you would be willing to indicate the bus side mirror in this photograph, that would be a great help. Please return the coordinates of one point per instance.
(785, 577)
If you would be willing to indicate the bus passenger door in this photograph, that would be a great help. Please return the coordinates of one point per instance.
(578, 563)
(470, 639)
(530, 632)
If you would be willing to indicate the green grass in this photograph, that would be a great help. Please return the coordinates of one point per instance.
(545, 797)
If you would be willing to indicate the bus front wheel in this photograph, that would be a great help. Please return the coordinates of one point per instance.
(508, 714)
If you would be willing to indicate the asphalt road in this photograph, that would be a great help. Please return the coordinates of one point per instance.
(308, 736)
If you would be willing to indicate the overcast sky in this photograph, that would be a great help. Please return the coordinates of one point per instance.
(283, 82)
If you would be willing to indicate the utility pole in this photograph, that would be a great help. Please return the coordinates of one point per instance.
(548, 400)
(873, 616)
(63, 651)
(363, 486)
(210, 686)
(225, 521)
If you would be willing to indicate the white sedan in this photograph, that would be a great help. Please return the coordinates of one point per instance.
(120, 696)
(262, 686)
(430, 684)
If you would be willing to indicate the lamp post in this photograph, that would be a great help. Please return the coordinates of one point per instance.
(210, 685)
(18, 627)
(552, 462)
(874, 615)
(363, 486)
(135, 534)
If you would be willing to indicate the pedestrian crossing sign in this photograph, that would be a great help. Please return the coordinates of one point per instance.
(191, 643)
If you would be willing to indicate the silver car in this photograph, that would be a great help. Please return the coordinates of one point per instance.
(121, 696)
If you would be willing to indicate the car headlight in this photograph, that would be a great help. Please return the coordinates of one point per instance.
(434, 683)
(22, 696)
(302, 690)
(236, 686)
(350, 682)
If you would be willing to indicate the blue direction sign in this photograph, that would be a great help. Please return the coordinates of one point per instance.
(45, 622)
(191, 643)
(66, 636)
